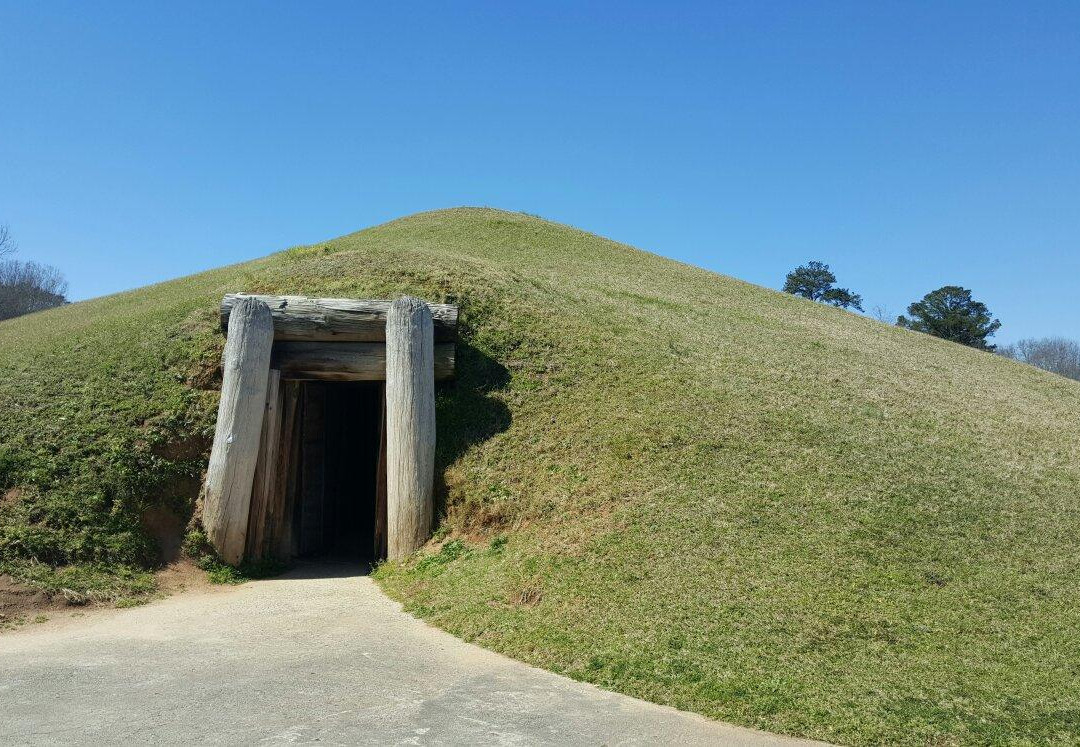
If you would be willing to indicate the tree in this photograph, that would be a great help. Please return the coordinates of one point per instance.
(882, 314)
(1055, 354)
(26, 287)
(952, 314)
(7, 242)
(815, 281)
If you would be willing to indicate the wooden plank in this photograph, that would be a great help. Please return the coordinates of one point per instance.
(380, 482)
(410, 426)
(266, 488)
(337, 319)
(278, 541)
(229, 476)
(313, 482)
(347, 361)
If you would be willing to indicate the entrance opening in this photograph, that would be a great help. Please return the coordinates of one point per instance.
(340, 486)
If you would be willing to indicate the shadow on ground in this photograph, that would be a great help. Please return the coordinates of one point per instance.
(305, 570)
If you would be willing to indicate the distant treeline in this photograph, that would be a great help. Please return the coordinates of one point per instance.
(1057, 354)
(26, 286)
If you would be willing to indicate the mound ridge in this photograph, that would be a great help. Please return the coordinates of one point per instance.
(662, 480)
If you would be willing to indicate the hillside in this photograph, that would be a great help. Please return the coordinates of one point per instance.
(655, 478)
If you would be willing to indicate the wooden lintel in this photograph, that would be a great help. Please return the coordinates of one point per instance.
(346, 361)
(299, 318)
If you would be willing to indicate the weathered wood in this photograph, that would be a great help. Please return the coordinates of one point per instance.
(410, 426)
(380, 483)
(347, 361)
(337, 319)
(229, 476)
(266, 490)
(313, 479)
(280, 518)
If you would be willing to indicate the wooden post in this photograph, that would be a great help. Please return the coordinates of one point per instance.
(380, 483)
(279, 540)
(410, 425)
(284, 540)
(266, 490)
(229, 476)
(313, 476)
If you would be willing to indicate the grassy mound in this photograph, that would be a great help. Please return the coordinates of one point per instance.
(654, 478)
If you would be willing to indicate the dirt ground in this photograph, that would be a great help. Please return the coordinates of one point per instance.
(22, 606)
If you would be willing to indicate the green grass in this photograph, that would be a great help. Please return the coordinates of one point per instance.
(198, 547)
(661, 480)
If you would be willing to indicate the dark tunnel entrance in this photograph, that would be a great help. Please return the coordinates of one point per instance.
(340, 512)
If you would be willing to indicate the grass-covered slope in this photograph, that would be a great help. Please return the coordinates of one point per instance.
(655, 478)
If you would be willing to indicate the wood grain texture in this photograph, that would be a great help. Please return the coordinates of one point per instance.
(312, 493)
(347, 361)
(279, 537)
(337, 319)
(230, 474)
(410, 426)
(380, 483)
(266, 489)
(284, 540)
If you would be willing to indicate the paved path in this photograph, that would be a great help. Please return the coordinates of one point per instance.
(308, 657)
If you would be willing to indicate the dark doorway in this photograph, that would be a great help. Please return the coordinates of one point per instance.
(338, 471)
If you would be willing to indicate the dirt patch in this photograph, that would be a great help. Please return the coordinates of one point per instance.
(182, 576)
(22, 606)
(167, 529)
(10, 497)
(192, 447)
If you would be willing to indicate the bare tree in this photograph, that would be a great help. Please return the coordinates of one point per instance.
(7, 241)
(1058, 355)
(26, 287)
(882, 314)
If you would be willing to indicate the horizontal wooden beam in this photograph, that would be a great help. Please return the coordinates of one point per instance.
(299, 318)
(346, 361)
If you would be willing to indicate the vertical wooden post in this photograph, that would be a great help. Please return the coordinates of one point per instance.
(277, 540)
(287, 541)
(313, 527)
(266, 493)
(380, 482)
(229, 476)
(410, 425)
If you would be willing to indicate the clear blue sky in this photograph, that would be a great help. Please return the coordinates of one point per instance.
(909, 145)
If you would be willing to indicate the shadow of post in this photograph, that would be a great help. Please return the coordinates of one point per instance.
(466, 413)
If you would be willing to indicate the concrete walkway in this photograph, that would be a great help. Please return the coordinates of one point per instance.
(309, 657)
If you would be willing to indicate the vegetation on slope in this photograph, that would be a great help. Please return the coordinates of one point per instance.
(655, 478)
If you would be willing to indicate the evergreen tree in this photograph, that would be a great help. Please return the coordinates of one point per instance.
(952, 314)
(814, 280)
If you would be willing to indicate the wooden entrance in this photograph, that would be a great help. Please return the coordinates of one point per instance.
(280, 353)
